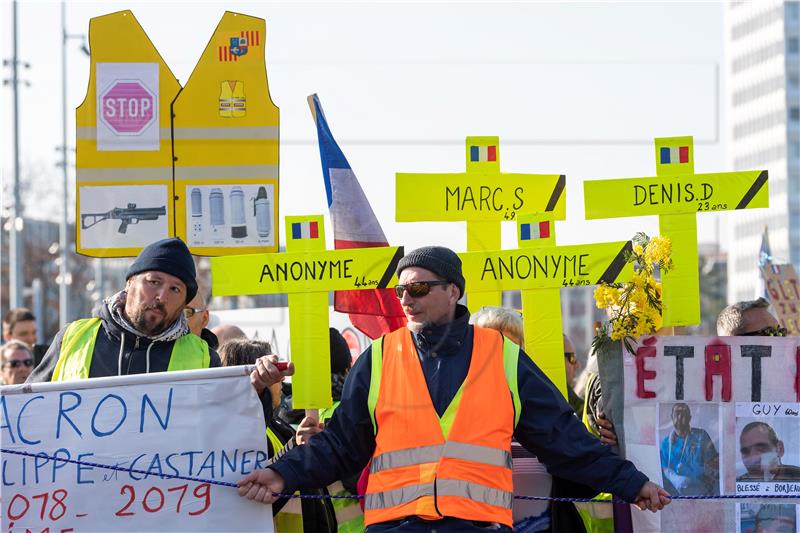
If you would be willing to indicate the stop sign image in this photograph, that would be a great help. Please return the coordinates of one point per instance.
(128, 107)
(127, 97)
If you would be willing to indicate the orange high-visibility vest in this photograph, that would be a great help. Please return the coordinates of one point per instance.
(458, 465)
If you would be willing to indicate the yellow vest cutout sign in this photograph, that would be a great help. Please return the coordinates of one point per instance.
(226, 131)
(124, 184)
(155, 161)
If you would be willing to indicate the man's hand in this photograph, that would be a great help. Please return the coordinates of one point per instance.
(266, 374)
(651, 497)
(259, 485)
(606, 429)
(307, 429)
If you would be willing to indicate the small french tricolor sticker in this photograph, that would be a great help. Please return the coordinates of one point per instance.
(676, 154)
(305, 230)
(482, 154)
(535, 230)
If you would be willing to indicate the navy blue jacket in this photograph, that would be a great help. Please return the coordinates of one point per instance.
(547, 425)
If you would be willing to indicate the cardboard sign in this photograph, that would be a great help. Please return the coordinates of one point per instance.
(483, 197)
(710, 416)
(676, 194)
(546, 267)
(124, 186)
(204, 424)
(695, 193)
(322, 271)
(783, 288)
(307, 272)
(227, 137)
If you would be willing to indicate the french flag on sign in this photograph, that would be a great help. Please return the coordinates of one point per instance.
(535, 230)
(676, 154)
(305, 230)
(482, 154)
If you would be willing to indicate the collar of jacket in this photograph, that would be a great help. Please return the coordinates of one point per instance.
(445, 338)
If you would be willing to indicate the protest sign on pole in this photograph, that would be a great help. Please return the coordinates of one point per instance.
(537, 271)
(202, 424)
(307, 271)
(676, 194)
(483, 197)
(124, 185)
(711, 416)
(783, 289)
(226, 141)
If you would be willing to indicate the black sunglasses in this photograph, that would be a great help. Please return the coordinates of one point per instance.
(770, 331)
(417, 289)
(19, 362)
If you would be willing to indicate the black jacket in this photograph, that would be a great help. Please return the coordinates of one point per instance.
(105, 358)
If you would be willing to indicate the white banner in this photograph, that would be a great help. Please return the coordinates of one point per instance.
(711, 416)
(205, 424)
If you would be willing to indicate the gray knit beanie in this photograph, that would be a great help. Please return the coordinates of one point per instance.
(441, 261)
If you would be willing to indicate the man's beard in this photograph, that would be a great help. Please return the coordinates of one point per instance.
(141, 323)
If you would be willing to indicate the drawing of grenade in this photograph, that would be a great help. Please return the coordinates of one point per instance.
(261, 212)
(216, 203)
(238, 222)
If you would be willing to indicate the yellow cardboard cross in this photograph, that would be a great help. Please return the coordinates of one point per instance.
(482, 196)
(307, 271)
(540, 269)
(676, 194)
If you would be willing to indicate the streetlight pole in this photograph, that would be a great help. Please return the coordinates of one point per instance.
(15, 250)
(63, 287)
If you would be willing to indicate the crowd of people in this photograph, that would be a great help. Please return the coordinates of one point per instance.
(410, 427)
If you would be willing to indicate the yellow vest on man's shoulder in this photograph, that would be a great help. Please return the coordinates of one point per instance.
(189, 352)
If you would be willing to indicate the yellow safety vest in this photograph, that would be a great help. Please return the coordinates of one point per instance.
(232, 102)
(290, 518)
(349, 516)
(75, 358)
(597, 517)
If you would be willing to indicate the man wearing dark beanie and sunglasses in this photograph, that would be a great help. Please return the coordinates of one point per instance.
(141, 329)
(433, 408)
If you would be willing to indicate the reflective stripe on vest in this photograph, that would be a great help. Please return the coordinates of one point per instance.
(290, 518)
(456, 465)
(349, 516)
(77, 347)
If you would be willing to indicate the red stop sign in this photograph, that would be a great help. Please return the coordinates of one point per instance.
(128, 107)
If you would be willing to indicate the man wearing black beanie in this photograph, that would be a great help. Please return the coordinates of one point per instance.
(141, 329)
(433, 407)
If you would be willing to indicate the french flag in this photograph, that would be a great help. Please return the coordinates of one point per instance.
(535, 230)
(482, 154)
(374, 312)
(676, 154)
(305, 230)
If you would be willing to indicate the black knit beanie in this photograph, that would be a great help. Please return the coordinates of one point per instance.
(170, 256)
(441, 261)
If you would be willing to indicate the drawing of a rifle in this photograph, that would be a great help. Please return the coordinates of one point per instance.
(129, 215)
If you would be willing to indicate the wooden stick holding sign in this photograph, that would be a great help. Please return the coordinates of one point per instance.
(307, 271)
(482, 196)
(676, 194)
(539, 272)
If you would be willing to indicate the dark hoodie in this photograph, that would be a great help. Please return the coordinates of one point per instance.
(106, 360)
